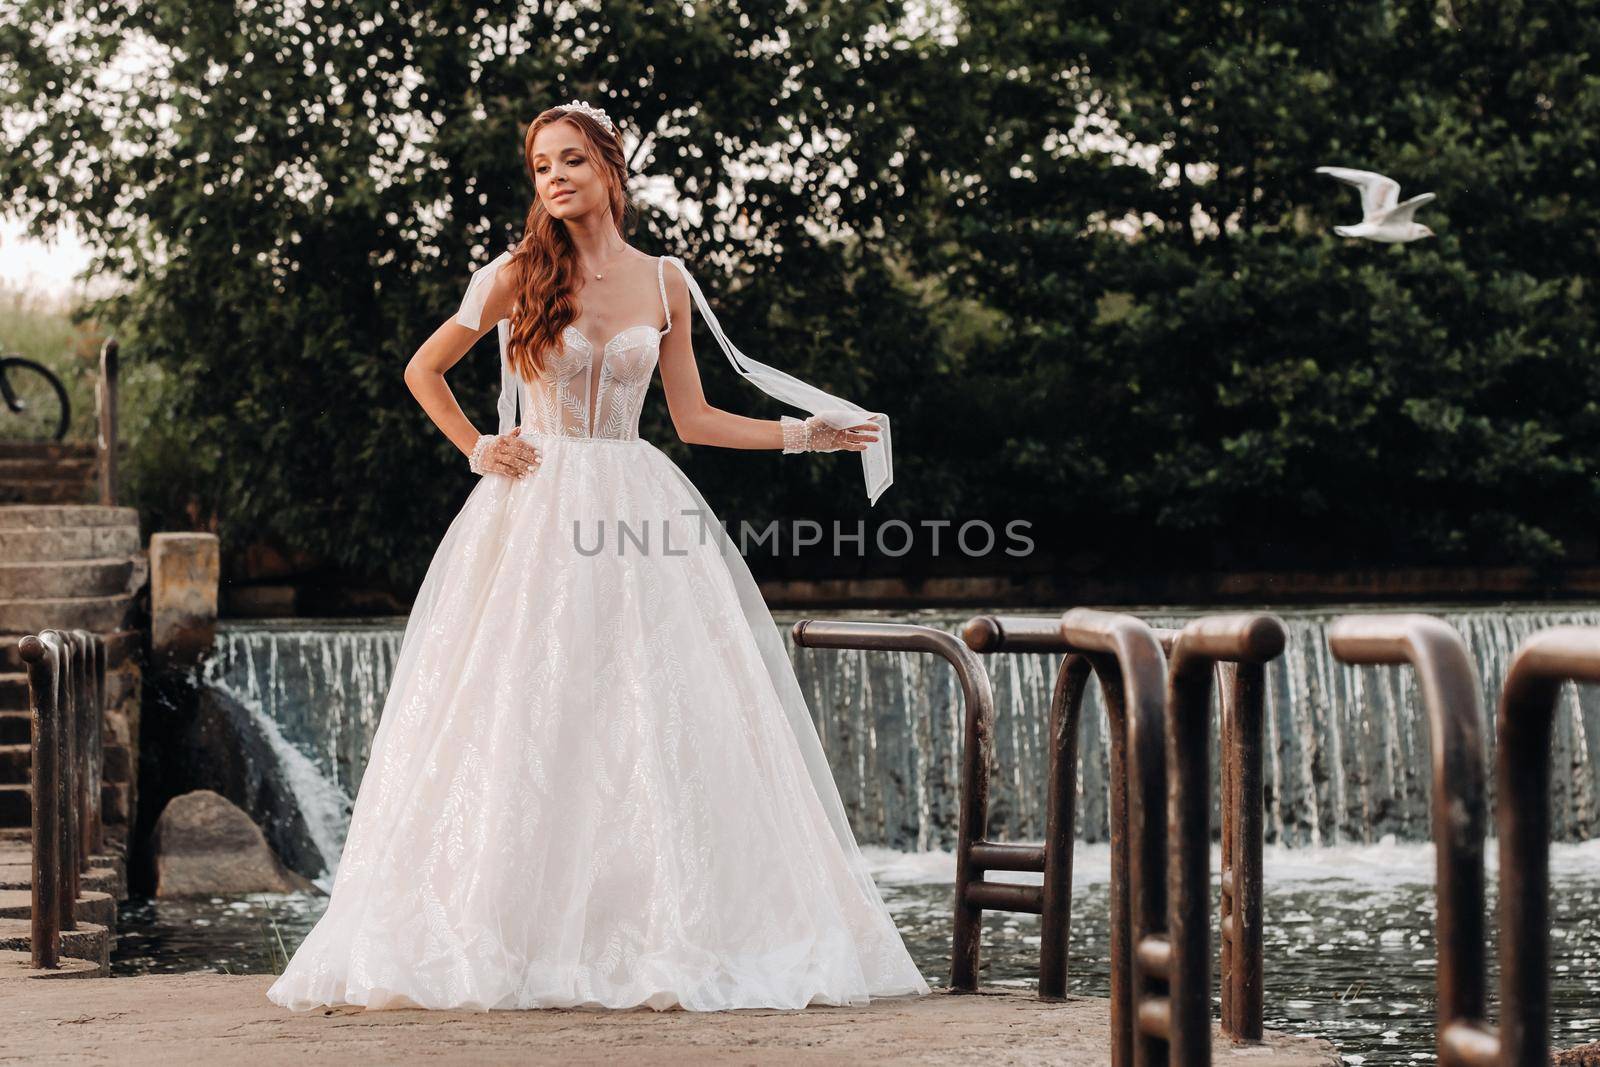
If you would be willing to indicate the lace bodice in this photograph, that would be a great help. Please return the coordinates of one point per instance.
(586, 392)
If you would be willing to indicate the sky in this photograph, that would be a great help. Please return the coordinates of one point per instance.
(35, 267)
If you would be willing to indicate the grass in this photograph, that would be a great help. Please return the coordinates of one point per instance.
(42, 329)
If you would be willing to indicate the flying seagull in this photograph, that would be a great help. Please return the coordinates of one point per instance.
(1383, 217)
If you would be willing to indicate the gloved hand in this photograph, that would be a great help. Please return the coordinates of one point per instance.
(504, 454)
(829, 431)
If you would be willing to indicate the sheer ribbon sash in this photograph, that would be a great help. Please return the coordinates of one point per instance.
(877, 461)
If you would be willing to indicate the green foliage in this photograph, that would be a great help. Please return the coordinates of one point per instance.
(1246, 388)
(1078, 251)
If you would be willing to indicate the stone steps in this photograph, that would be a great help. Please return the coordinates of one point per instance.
(16, 762)
(50, 517)
(96, 613)
(16, 727)
(91, 906)
(121, 683)
(107, 873)
(65, 564)
(47, 450)
(90, 941)
(52, 545)
(63, 578)
(96, 879)
(99, 889)
(52, 492)
(14, 692)
(16, 805)
(15, 964)
(44, 469)
(39, 473)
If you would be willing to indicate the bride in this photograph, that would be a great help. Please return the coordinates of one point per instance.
(595, 781)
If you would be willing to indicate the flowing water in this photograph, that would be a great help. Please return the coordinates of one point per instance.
(1349, 939)
(1346, 747)
(1349, 875)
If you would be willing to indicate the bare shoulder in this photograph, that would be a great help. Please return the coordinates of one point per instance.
(502, 291)
(672, 277)
(677, 288)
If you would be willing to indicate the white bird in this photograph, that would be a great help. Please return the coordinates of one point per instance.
(1383, 217)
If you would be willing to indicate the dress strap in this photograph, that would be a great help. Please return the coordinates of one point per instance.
(470, 315)
(877, 461)
(661, 280)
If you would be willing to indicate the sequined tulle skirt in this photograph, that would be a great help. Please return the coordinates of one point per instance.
(583, 790)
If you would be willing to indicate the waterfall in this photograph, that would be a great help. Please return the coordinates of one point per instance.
(1346, 748)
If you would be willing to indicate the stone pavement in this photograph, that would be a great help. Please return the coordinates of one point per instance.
(213, 1018)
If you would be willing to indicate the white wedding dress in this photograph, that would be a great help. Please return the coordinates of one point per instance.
(595, 782)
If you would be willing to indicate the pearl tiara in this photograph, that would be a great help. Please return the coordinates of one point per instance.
(593, 112)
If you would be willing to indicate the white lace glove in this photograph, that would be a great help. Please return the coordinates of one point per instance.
(829, 431)
(504, 454)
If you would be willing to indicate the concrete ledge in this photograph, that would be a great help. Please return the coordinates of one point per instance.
(200, 1018)
(184, 572)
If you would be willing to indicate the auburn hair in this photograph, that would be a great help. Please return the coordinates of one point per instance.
(545, 263)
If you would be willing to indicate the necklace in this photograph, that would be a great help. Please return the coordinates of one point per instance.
(598, 275)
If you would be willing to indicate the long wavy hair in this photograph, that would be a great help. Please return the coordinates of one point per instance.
(545, 261)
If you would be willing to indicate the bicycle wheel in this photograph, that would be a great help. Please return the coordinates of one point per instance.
(33, 402)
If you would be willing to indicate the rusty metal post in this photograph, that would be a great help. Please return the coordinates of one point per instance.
(43, 660)
(1449, 685)
(83, 658)
(106, 403)
(1525, 717)
(97, 650)
(1228, 797)
(1244, 701)
(972, 851)
(68, 781)
(1055, 922)
(1129, 662)
(1003, 633)
(1250, 639)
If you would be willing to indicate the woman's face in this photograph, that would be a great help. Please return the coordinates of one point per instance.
(564, 172)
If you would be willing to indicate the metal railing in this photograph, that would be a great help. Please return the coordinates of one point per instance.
(1523, 722)
(1449, 685)
(989, 634)
(66, 682)
(1180, 954)
(1242, 644)
(1129, 662)
(1156, 686)
(973, 854)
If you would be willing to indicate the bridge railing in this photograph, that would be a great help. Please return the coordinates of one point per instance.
(974, 855)
(66, 684)
(1180, 954)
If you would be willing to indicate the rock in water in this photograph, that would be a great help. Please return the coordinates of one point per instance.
(204, 844)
